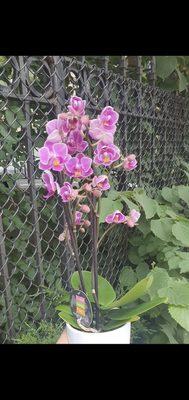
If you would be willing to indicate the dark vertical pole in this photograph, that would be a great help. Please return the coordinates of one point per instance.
(106, 94)
(67, 267)
(152, 81)
(6, 281)
(32, 189)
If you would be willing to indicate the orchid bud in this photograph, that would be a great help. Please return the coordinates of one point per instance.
(87, 187)
(82, 230)
(85, 208)
(97, 193)
(86, 223)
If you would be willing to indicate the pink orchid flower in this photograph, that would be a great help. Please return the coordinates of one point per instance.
(106, 154)
(79, 166)
(50, 184)
(104, 127)
(53, 125)
(78, 218)
(116, 217)
(132, 218)
(69, 122)
(75, 142)
(130, 162)
(101, 182)
(108, 119)
(96, 132)
(77, 106)
(54, 159)
(53, 138)
(67, 193)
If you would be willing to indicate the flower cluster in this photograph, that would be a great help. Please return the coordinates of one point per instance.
(77, 147)
(118, 218)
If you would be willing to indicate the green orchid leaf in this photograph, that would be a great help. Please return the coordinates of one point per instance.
(105, 290)
(139, 290)
(142, 308)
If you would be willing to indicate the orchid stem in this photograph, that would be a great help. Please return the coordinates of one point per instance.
(104, 234)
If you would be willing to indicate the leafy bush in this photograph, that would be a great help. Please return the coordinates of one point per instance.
(160, 244)
(45, 333)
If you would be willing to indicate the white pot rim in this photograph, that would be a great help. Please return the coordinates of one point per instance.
(71, 328)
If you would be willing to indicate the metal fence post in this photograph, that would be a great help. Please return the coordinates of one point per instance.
(32, 189)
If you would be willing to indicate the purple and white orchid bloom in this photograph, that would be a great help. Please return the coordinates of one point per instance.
(115, 218)
(106, 154)
(50, 184)
(75, 142)
(132, 218)
(54, 159)
(77, 106)
(130, 162)
(67, 193)
(79, 166)
(101, 182)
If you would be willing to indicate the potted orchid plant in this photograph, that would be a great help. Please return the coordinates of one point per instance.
(82, 153)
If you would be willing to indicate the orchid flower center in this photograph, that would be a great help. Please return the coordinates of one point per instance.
(106, 157)
(116, 218)
(56, 162)
(78, 172)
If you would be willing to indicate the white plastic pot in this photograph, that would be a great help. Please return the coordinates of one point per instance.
(117, 336)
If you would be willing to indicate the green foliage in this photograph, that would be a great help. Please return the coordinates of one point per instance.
(159, 245)
(44, 333)
(173, 72)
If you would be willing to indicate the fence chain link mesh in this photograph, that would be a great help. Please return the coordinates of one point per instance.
(35, 266)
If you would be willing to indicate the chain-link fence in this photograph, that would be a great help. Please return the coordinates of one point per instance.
(34, 265)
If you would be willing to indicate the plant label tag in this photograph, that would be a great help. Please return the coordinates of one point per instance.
(81, 308)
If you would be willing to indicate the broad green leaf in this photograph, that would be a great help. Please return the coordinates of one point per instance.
(181, 315)
(129, 203)
(160, 280)
(173, 262)
(170, 195)
(162, 228)
(133, 257)
(69, 319)
(184, 266)
(142, 270)
(183, 192)
(108, 206)
(177, 292)
(127, 277)
(183, 83)
(165, 65)
(183, 254)
(181, 232)
(144, 227)
(139, 290)
(149, 205)
(142, 308)
(105, 290)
